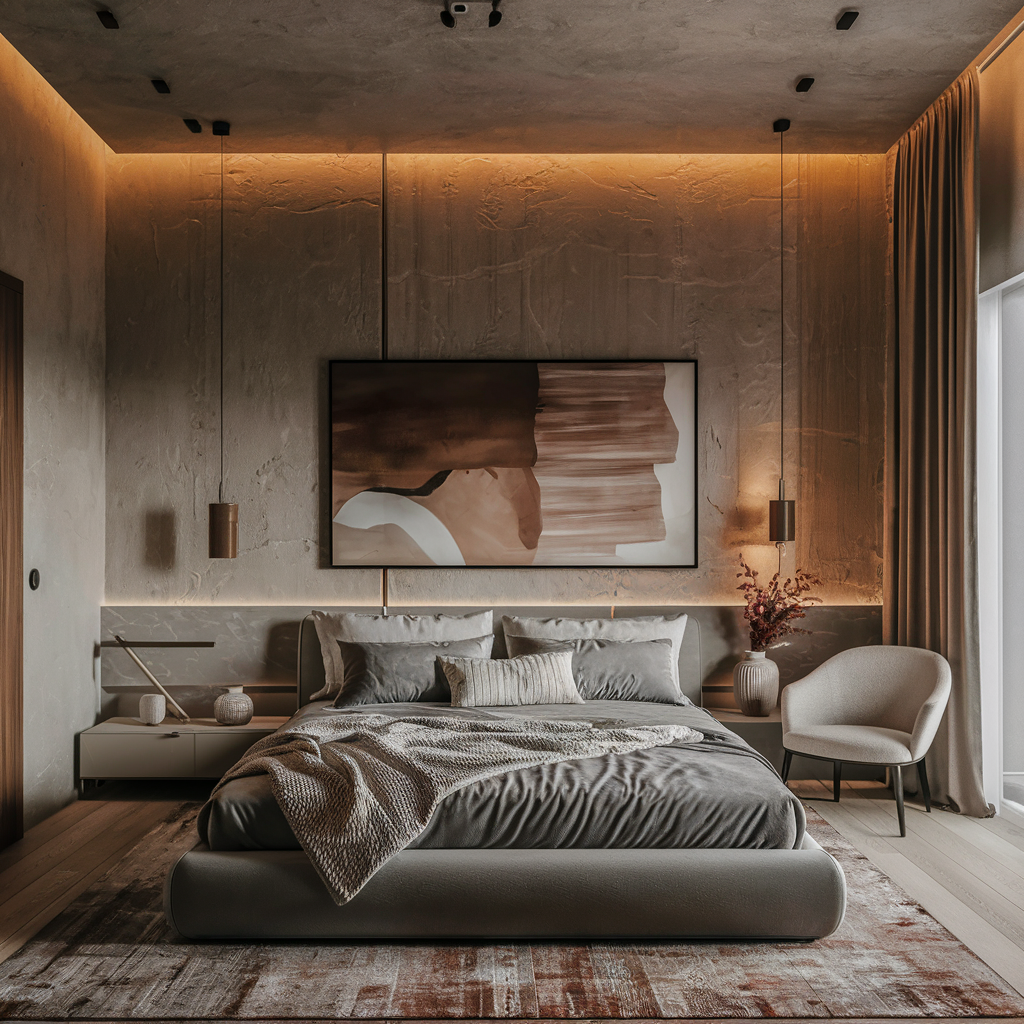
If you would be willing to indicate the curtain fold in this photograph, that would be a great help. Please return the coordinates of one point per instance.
(930, 588)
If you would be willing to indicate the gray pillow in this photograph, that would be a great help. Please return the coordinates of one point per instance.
(626, 627)
(399, 672)
(369, 628)
(613, 669)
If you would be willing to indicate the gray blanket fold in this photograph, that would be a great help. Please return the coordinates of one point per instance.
(359, 788)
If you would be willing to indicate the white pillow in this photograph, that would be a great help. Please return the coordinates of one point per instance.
(531, 679)
(636, 627)
(363, 628)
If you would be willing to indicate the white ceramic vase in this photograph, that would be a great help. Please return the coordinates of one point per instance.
(233, 707)
(152, 708)
(755, 683)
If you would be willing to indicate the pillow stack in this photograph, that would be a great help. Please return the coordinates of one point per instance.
(377, 659)
(635, 658)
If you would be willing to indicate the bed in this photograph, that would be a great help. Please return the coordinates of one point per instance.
(703, 842)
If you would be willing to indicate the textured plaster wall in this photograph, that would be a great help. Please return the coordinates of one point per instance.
(530, 256)
(302, 286)
(52, 237)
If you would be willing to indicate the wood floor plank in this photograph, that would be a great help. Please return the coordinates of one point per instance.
(1007, 830)
(65, 844)
(45, 831)
(50, 889)
(970, 927)
(983, 898)
(995, 845)
(28, 927)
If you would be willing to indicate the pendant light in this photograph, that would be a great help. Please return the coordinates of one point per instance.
(782, 513)
(223, 514)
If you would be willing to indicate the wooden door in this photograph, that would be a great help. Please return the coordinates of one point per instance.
(11, 490)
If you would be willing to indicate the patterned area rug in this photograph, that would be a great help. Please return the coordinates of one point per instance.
(110, 956)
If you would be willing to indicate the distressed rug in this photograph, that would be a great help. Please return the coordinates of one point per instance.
(110, 956)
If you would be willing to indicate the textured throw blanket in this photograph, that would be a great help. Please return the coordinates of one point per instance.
(359, 788)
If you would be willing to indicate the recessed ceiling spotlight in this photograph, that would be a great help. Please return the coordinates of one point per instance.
(494, 18)
(107, 19)
(192, 125)
(447, 18)
(804, 85)
(846, 20)
(221, 128)
(161, 86)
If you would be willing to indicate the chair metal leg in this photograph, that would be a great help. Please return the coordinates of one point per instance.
(837, 774)
(897, 785)
(922, 774)
(787, 761)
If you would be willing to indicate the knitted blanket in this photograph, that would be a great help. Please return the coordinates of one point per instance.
(357, 789)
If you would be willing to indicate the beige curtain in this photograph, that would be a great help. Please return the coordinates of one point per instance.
(931, 586)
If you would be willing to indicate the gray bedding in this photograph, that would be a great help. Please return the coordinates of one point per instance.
(714, 795)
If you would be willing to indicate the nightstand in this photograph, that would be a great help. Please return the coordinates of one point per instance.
(763, 734)
(125, 748)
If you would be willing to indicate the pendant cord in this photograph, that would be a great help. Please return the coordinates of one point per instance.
(384, 319)
(782, 309)
(220, 490)
(384, 256)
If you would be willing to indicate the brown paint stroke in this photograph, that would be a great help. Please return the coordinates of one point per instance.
(423, 418)
(600, 430)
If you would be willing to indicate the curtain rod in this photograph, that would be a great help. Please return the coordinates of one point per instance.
(1001, 47)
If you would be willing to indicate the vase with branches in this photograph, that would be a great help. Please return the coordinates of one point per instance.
(771, 612)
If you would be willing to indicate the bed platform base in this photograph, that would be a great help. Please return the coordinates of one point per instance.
(515, 894)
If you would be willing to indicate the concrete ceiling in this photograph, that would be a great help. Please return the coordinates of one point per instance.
(556, 76)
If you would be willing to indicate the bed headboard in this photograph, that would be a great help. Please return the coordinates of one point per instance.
(311, 664)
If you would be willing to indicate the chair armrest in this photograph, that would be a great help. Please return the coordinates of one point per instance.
(930, 716)
(808, 702)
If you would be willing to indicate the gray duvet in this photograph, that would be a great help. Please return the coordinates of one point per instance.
(716, 794)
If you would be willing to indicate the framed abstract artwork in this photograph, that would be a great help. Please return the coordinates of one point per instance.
(514, 463)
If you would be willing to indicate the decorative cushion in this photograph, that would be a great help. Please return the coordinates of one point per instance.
(612, 669)
(395, 673)
(870, 744)
(360, 627)
(531, 679)
(637, 627)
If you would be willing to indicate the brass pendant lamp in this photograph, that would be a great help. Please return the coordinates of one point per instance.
(223, 514)
(782, 513)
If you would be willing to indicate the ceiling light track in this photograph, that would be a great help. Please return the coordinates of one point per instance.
(457, 7)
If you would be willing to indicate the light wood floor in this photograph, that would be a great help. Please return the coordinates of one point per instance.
(967, 872)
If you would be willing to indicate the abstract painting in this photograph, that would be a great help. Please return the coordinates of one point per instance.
(514, 463)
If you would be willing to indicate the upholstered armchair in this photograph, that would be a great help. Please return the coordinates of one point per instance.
(869, 705)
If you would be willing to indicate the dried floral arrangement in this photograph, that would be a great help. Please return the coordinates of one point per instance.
(771, 609)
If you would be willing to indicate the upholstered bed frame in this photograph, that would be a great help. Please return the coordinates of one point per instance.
(530, 893)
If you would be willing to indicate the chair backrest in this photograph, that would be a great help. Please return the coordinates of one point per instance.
(882, 686)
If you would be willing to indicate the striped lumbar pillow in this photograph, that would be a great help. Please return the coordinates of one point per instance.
(531, 679)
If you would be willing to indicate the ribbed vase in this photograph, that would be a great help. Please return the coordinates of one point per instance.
(755, 683)
(233, 707)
